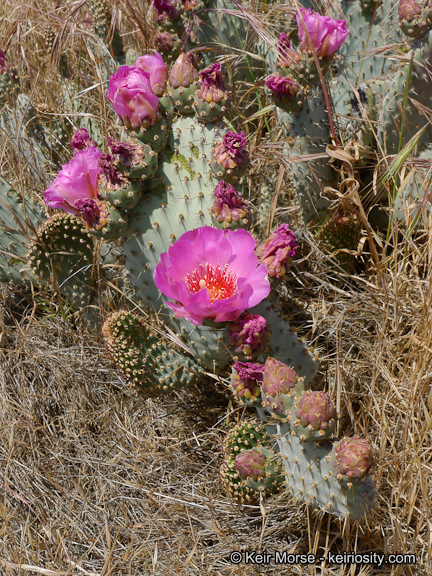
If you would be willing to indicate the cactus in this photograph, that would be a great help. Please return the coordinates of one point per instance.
(157, 193)
(250, 466)
(151, 366)
(19, 219)
(364, 84)
(336, 479)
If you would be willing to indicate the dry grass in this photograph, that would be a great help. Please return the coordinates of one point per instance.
(96, 481)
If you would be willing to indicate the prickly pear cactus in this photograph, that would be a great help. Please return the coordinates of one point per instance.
(375, 88)
(250, 466)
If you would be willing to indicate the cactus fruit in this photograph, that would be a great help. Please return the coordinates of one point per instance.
(249, 465)
(151, 366)
(280, 384)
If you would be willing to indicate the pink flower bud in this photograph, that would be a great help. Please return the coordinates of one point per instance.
(353, 457)
(408, 10)
(277, 251)
(315, 409)
(132, 97)
(251, 464)
(183, 72)
(280, 384)
(164, 41)
(155, 66)
(212, 87)
(248, 334)
(326, 35)
(229, 204)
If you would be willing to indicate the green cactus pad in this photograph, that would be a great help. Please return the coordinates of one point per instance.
(151, 366)
(243, 437)
(62, 256)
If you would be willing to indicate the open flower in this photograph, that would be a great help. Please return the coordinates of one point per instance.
(130, 92)
(212, 273)
(326, 35)
(76, 186)
(156, 67)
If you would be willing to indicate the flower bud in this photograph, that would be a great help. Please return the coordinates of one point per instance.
(183, 72)
(251, 464)
(353, 458)
(324, 35)
(131, 95)
(277, 250)
(280, 385)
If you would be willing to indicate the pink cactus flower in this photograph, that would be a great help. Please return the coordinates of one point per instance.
(246, 380)
(81, 140)
(284, 89)
(212, 273)
(326, 35)
(277, 250)
(156, 67)
(212, 87)
(249, 334)
(131, 95)
(231, 152)
(229, 204)
(75, 190)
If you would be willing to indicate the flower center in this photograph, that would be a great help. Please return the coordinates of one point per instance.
(219, 282)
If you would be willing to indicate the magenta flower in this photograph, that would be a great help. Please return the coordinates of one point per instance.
(277, 250)
(326, 35)
(231, 152)
(75, 190)
(212, 273)
(284, 89)
(155, 66)
(249, 334)
(166, 7)
(131, 95)
(229, 204)
(81, 140)
(212, 87)
(247, 379)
